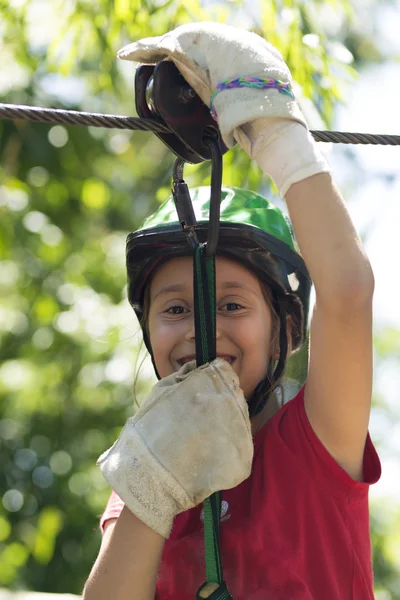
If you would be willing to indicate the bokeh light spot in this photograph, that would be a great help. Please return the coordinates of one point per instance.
(5, 529)
(95, 194)
(43, 338)
(15, 199)
(10, 429)
(52, 235)
(60, 462)
(41, 445)
(58, 136)
(38, 176)
(35, 221)
(42, 477)
(78, 484)
(13, 500)
(25, 459)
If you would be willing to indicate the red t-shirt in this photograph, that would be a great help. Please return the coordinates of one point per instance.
(296, 529)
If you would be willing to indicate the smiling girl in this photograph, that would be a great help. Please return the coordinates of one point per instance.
(295, 478)
(244, 320)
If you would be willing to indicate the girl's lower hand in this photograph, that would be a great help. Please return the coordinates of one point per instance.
(190, 438)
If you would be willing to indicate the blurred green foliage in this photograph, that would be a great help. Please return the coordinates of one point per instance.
(68, 197)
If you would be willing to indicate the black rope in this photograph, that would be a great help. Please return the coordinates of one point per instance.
(72, 117)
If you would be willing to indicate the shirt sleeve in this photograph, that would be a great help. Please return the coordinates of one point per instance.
(112, 511)
(299, 436)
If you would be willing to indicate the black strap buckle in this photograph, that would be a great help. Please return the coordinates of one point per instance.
(162, 94)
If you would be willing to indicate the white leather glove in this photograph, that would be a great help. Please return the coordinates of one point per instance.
(208, 54)
(190, 438)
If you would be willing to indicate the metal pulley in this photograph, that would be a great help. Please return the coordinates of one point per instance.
(162, 94)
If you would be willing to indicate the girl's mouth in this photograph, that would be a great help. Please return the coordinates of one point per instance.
(182, 361)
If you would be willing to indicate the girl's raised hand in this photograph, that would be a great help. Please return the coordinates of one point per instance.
(210, 54)
(190, 438)
(248, 87)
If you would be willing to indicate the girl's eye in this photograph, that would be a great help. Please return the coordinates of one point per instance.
(181, 310)
(232, 306)
(175, 310)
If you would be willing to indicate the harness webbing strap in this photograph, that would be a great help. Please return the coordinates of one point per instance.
(205, 337)
(212, 508)
(204, 305)
(205, 333)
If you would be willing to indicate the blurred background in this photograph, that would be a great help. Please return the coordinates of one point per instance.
(71, 356)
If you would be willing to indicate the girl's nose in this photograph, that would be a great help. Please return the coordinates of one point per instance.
(190, 334)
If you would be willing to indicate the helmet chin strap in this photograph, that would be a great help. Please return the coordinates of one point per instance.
(263, 390)
(150, 351)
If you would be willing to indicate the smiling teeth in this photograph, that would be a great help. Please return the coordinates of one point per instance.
(230, 360)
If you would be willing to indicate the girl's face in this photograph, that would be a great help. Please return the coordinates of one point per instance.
(243, 320)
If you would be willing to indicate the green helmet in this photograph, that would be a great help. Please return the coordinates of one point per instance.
(252, 231)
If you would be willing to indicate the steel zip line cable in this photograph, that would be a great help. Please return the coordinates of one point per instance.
(72, 117)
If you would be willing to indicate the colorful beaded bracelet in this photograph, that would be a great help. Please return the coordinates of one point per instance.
(253, 82)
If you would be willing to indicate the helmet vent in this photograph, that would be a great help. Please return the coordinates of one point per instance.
(294, 282)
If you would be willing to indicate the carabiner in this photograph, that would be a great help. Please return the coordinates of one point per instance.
(183, 202)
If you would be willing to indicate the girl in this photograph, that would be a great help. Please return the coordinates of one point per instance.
(295, 520)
